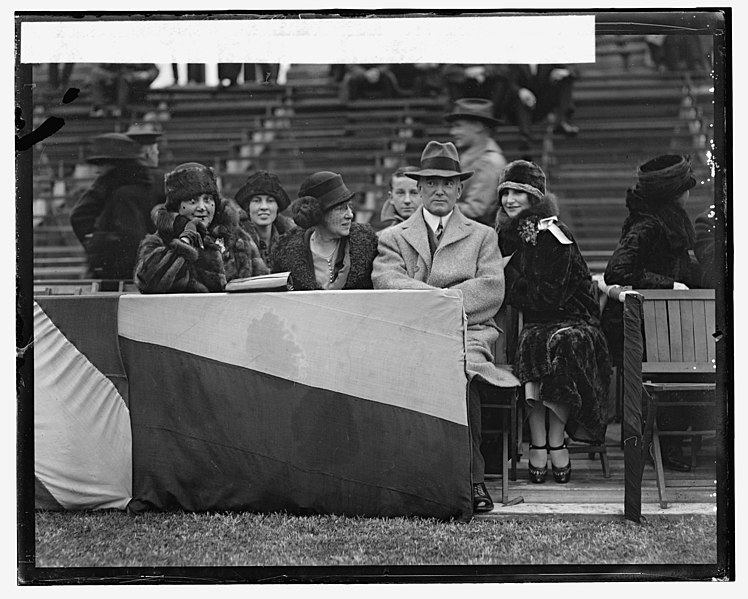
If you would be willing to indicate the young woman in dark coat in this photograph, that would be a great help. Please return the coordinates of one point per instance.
(653, 253)
(262, 199)
(327, 250)
(562, 356)
(198, 245)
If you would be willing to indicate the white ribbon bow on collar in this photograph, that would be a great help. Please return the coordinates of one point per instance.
(550, 225)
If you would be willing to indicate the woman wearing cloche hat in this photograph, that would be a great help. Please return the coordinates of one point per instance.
(562, 356)
(327, 250)
(653, 253)
(198, 245)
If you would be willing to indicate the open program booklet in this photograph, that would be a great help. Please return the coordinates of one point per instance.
(279, 281)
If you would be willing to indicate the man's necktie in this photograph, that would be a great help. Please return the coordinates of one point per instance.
(439, 231)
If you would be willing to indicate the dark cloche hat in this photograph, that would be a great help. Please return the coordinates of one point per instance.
(327, 187)
(523, 176)
(667, 175)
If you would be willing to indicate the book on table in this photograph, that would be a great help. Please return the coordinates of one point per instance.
(278, 281)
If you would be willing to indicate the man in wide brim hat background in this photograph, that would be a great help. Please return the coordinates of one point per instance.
(439, 248)
(111, 148)
(147, 136)
(472, 125)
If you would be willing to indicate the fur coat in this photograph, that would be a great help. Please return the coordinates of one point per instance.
(467, 259)
(292, 254)
(561, 344)
(545, 279)
(166, 264)
(652, 253)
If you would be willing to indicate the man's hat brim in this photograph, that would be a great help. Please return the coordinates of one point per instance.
(490, 121)
(433, 172)
(144, 138)
(105, 159)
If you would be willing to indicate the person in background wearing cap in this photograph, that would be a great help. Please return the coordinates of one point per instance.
(472, 123)
(327, 250)
(439, 248)
(147, 136)
(562, 355)
(198, 246)
(113, 215)
(653, 253)
(262, 199)
(403, 198)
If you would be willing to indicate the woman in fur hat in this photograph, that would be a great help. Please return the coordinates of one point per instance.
(327, 250)
(653, 253)
(198, 245)
(562, 355)
(262, 199)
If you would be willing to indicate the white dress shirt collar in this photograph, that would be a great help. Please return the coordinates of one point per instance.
(433, 221)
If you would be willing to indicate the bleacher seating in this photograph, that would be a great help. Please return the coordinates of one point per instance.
(627, 113)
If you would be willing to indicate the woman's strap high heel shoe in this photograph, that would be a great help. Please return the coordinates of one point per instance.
(537, 474)
(561, 474)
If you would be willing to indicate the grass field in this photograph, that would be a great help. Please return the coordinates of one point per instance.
(114, 539)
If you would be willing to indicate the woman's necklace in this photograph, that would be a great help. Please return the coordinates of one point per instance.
(323, 251)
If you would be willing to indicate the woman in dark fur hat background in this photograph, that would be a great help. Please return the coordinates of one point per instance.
(327, 250)
(562, 355)
(198, 245)
(262, 199)
(653, 253)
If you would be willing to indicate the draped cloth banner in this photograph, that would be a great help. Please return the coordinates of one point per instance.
(82, 436)
(346, 402)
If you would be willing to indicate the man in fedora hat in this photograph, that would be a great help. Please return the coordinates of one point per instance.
(147, 136)
(472, 124)
(113, 215)
(439, 248)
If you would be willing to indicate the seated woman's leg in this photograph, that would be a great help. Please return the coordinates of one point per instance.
(538, 459)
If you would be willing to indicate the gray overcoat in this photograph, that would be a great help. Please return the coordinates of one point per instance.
(468, 259)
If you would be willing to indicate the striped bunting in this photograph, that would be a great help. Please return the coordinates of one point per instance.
(82, 436)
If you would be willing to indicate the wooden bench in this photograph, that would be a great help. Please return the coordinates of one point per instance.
(679, 368)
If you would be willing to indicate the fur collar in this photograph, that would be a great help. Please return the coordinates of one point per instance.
(292, 253)
(671, 218)
(512, 231)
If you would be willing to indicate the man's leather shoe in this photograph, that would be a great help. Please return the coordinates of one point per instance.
(675, 463)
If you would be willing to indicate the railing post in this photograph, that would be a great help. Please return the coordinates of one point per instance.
(633, 450)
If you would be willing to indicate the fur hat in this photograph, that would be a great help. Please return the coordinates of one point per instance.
(187, 181)
(666, 176)
(265, 183)
(523, 176)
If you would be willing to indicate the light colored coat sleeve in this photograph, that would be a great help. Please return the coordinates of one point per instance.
(390, 270)
(484, 294)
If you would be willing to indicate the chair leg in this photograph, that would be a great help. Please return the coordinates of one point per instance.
(506, 426)
(604, 462)
(659, 469)
(516, 438)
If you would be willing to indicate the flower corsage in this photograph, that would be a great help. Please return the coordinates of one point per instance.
(528, 231)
